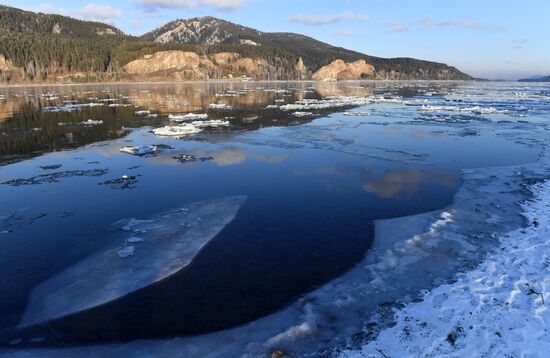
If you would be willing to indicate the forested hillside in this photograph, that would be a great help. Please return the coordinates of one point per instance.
(43, 47)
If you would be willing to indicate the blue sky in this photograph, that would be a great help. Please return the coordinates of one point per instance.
(485, 38)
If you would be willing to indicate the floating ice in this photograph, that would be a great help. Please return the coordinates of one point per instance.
(357, 114)
(302, 114)
(144, 150)
(219, 106)
(88, 123)
(210, 123)
(126, 252)
(170, 242)
(177, 131)
(474, 109)
(187, 117)
(70, 106)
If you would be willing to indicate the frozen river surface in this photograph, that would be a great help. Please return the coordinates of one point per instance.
(241, 219)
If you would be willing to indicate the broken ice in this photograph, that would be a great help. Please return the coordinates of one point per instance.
(170, 241)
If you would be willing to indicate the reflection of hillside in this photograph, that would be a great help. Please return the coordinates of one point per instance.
(27, 129)
(7, 108)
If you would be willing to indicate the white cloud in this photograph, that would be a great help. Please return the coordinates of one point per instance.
(91, 11)
(151, 5)
(396, 26)
(327, 20)
(96, 12)
(469, 24)
(520, 43)
(343, 33)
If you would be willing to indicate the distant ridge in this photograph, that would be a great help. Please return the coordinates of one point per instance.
(536, 79)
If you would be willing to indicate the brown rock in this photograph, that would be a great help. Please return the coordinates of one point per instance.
(225, 58)
(338, 70)
(168, 60)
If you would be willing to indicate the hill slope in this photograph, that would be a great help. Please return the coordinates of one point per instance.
(14, 20)
(315, 54)
(42, 47)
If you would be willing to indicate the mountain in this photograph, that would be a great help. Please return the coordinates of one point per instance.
(315, 54)
(52, 48)
(535, 79)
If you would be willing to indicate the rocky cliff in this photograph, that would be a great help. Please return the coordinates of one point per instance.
(338, 70)
(189, 65)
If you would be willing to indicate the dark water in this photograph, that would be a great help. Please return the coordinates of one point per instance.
(314, 185)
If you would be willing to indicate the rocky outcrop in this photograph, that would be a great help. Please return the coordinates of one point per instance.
(170, 61)
(225, 58)
(301, 69)
(338, 70)
(189, 65)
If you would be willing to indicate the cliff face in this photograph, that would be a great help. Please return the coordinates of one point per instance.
(338, 70)
(189, 65)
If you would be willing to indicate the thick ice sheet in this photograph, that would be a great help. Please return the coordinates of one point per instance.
(151, 251)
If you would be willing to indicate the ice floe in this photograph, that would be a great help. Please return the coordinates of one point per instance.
(144, 150)
(302, 114)
(177, 131)
(88, 123)
(219, 106)
(170, 242)
(474, 109)
(187, 117)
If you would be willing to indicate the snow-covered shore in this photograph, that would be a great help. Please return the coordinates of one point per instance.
(499, 309)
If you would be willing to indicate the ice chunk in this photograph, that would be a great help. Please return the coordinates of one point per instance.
(87, 124)
(187, 117)
(150, 149)
(144, 150)
(177, 131)
(210, 123)
(170, 242)
(219, 106)
(126, 252)
(302, 114)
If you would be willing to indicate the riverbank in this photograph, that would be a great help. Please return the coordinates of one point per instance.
(499, 309)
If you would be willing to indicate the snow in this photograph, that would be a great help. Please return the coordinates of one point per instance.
(499, 309)
(170, 242)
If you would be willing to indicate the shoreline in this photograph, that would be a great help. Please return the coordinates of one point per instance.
(497, 309)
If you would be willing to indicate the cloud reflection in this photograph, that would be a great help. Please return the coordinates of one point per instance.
(395, 182)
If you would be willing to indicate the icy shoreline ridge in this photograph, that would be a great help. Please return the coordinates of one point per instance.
(147, 251)
(499, 309)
